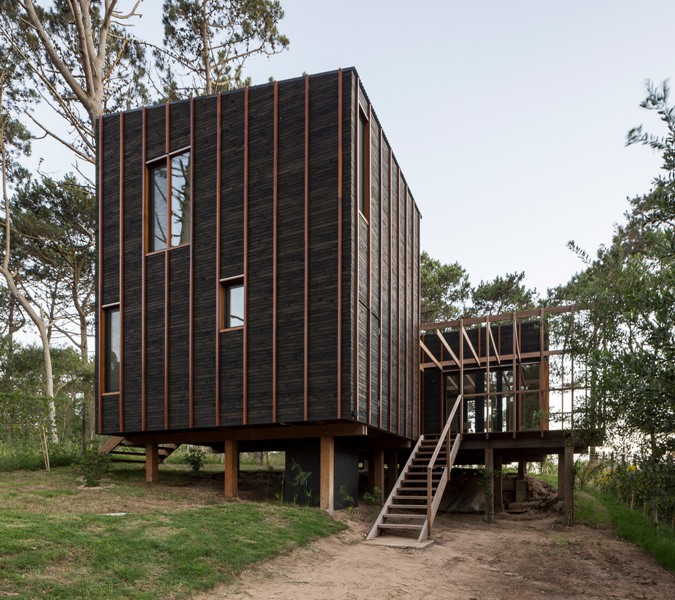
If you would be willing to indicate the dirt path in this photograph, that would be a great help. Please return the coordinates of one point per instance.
(520, 559)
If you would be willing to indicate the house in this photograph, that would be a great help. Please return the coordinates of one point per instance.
(259, 289)
(259, 278)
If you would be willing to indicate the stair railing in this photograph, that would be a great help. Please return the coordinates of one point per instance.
(434, 500)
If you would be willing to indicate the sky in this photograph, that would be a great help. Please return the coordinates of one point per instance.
(508, 118)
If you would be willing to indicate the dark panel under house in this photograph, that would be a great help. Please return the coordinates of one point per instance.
(258, 267)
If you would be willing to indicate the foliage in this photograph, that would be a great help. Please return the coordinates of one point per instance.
(628, 331)
(299, 481)
(195, 458)
(445, 290)
(93, 466)
(207, 43)
(502, 294)
(79, 551)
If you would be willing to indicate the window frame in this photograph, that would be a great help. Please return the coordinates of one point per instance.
(106, 312)
(226, 285)
(166, 161)
(363, 167)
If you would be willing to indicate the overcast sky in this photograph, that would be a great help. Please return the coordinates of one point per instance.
(508, 118)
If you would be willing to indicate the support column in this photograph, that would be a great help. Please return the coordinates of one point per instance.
(522, 469)
(569, 485)
(489, 485)
(499, 501)
(376, 466)
(231, 469)
(152, 463)
(392, 471)
(561, 476)
(327, 470)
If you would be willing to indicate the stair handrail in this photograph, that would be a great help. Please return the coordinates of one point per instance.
(380, 519)
(433, 500)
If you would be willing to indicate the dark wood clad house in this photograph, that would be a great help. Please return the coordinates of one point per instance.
(258, 276)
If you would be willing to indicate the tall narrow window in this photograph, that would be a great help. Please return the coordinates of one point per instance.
(363, 143)
(112, 350)
(169, 202)
(233, 304)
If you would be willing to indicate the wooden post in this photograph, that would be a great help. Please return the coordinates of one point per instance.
(231, 469)
(561, 476)
(376, 465)
(522, 469)
(569, 485)
(327, 487)
(489, 485)
(392, 471)
(499, 502)
(152, 463)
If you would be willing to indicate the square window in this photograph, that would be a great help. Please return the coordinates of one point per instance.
(233, 304)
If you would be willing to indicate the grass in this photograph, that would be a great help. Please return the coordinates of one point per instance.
(589, 510)
(634, 526)
(56, 540)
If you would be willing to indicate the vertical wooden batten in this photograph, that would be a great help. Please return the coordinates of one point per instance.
(167, 142)
(379, 294)
(306, 276)
(121, 279)
(191, 302)
(398, 300)
(369, 322)
(357, 223)
(406, 312)
(391, 292)
(219, 166)
(144, 299)
(339, 256)
(275, 249)
(101, 324)
(244, 419)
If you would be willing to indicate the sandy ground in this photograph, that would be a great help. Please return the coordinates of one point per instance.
(525, 557)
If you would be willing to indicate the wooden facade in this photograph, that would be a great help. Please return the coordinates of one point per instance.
(297, 202)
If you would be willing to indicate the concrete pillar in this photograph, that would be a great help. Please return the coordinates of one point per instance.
(489, 485)
(231, 469)
(327, 470)
(376, 466)
(569, 485)
(152, 463)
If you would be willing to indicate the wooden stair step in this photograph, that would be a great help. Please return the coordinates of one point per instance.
(400, 526)
(399, 497)
(408, 507)
(403, 516)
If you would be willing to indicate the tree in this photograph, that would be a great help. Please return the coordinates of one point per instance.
(502, 294)
(445, 290)
(629, 291)
(207, 43)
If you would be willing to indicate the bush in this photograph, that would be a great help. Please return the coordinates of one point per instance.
(93, 466)
(195, 458)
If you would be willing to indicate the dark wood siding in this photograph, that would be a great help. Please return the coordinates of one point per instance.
(284, 231)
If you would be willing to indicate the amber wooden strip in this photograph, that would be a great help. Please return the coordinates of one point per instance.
(191, 307)
(245, 336)
(219, 307)
(144, 300)
(121, 280)
(355, 220)
(101, 324)
(167, 135)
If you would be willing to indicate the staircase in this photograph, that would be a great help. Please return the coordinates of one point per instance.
(122, 450)
(412, 505)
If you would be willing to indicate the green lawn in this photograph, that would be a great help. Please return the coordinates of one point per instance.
(56, 540)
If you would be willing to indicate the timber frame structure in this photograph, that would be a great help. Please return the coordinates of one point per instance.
(259, 288)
